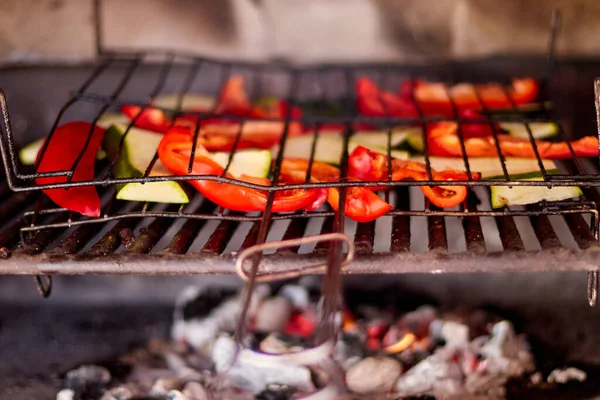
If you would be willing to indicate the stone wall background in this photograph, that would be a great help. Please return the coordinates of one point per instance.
(298, 30)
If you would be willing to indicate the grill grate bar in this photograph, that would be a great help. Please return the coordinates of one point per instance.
(184, 238)
(581, 231)
(509, 234)
(146, 241)
(364, 238)
(545, 232)
(472, 226)
(327, 227)
(75, 241)
(110, 242)
(437, 233)
(401, 223)
(220, 237)
(251, 236)
(295, 230)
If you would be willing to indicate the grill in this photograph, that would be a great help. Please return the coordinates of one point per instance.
(202, 238)
(415, 239)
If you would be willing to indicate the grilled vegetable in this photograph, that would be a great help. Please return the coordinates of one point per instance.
(330, 145)
(539, 130)
(375, 102)
(174, 151)
(519, 195)
(434, 98)
(443, 140)
(368, 165)
(489, 166)
(65, 146)
(139, 148)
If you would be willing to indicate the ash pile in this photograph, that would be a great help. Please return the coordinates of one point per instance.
(381, 351)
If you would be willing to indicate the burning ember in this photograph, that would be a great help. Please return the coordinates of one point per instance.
(380, 353)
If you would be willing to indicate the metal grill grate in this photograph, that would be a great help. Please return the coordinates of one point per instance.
(55, 241)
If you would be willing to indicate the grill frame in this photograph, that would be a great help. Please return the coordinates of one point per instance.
(39, 258)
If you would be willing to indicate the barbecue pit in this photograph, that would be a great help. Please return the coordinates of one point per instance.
(200, 238)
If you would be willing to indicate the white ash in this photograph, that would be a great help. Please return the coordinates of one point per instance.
(118, 393)
(254, 378)
(195, 391)
(276, 343)
(273, 314)
(566, 375)
(162, 386)
(297, 294)
(373, 375)
(453, 369)
(65, 394)
(201, 333)
(459, 354)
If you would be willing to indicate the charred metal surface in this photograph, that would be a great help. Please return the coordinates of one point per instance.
(295, 230)
(220, 237)
(437, 233)
(327, 227)
(146, 241)
(509, 234)
(386, 263)
(401, 223)
(544, 232)
(364, 238)
(111, 241)
(75, 241)
(472, 226)
(581, 231)
(250, 239)
(184, 238)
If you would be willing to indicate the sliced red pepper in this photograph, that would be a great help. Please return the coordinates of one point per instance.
(233, 99)
(174, 152)
(443, 140)
(375, 102)
(434, 98)
(151, 119)
(361, 205)
(369, 165)
(64, 147)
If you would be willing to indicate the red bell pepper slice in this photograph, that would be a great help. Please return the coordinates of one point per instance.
(369, 165)
(443, 140)
(374, 102)
(151, 119)
(433, 97)
(361, 204)
(64, 147)
(174, 152)
(233, 99)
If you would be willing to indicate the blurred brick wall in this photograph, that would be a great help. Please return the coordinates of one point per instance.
(298, 30)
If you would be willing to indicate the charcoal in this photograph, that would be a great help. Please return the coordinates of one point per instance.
(348, 350)
(566, 375)
(87, 378)
(65, 394)
(276, 392)
(273, 314)
(247, 375)
(195, 391)
(373, 375)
